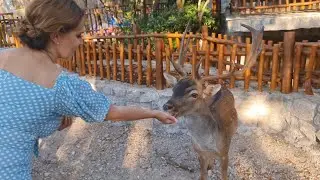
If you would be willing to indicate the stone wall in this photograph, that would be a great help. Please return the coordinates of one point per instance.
(274, 22)
(294, 117)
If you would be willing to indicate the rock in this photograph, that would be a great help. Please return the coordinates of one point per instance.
(308, 130)
(46, 174)
(145, 105)
(303, 109)
(99, 85)
(166, 93)
(120, 101)
(318, 135)
(276, 122)
(133, 94)
(155, 105)
(107, 90)
(149, 97)
(293, 122)
(293, 135)
(316, 121)
(119, 91)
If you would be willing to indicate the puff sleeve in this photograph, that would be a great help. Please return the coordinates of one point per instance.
(76, 97)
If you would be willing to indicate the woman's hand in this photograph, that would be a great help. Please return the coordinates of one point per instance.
(164, 117)
(66, 122)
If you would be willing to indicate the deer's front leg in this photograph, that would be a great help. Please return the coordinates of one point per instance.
(204, 166)
(224, 166)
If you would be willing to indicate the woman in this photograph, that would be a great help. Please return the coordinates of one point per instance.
(35, 93)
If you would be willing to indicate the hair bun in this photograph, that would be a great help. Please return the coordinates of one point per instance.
(31, 36)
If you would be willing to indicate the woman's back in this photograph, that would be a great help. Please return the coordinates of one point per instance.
(26, 110)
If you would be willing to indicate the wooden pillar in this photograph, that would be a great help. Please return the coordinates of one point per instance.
(288, 46)
(159, 68)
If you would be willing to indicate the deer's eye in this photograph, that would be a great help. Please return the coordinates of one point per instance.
(194, 95)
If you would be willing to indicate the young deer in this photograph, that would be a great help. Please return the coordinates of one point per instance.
(209, 110)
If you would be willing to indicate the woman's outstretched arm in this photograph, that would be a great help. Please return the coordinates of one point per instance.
(131, 113)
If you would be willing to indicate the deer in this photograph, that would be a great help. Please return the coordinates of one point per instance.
(209, 109)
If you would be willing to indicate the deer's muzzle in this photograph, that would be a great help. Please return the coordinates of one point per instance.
(167, 106)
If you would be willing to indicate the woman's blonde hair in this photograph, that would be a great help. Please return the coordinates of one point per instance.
(43, 17)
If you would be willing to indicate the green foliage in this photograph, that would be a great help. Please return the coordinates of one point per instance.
(173, 20)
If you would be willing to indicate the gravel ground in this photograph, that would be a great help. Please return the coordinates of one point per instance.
(150, 150)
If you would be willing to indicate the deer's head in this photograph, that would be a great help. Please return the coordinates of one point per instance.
(190, 94)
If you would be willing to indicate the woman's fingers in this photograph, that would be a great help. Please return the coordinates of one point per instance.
(165, 118)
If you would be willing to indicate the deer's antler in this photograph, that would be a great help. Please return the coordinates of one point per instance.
(197, 74)
(183, 49)
(256, 48)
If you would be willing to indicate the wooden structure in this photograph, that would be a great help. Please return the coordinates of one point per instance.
(246, 7)
(142, 59)
(7, 25)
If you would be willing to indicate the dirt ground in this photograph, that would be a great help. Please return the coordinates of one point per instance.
(150, 150)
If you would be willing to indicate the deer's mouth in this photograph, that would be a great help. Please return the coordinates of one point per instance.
(174, 114)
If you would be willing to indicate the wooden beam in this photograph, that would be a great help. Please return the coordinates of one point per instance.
(289, 41)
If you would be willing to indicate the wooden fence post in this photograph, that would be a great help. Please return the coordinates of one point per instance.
(311, 63)
(115, 61)
(233, 62)
(260, 70)
(122, 62)
(108, 67)
(100, 60)
(220, 60)
(139, 59)
(159, 68)
(247, 73)
(130, 63)
(275, 66)
(289, 40)
(194, 61)
(297, 66)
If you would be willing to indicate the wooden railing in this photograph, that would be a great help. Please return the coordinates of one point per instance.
(141, 59)
(272, 6)
(7, 25)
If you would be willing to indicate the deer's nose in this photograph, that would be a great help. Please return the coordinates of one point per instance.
(167, 106)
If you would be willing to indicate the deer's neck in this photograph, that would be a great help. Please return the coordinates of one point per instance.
(200, 119)
(202, 129)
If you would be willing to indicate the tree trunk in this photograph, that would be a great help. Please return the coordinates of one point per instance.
(144, 10)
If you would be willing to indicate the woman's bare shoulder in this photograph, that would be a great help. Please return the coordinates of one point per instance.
(22, 63)
(5, 53)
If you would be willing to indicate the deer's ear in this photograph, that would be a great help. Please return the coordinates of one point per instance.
(211, 89)
(216, 88)
(171, 80)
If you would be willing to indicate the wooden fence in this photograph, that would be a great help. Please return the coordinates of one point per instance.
(272, 6)
(7, 25)
(142, 59)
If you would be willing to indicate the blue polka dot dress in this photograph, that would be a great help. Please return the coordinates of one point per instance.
(29, 111)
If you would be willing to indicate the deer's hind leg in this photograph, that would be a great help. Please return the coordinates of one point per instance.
(224, 159)
(224, 166)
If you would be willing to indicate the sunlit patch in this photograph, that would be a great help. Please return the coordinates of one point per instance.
(72, 136)
(138, 145)
(257, 109)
